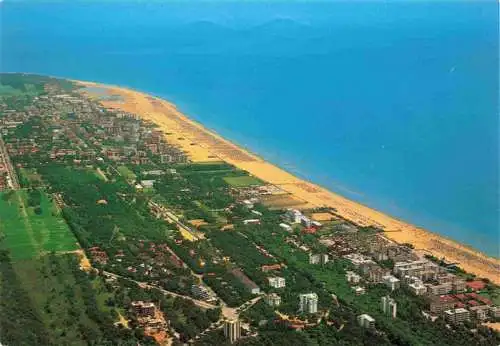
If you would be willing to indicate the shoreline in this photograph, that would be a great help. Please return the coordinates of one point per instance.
(201, 144)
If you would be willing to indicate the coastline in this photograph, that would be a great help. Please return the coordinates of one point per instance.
(201, 145)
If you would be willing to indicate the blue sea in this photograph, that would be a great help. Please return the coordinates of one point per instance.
(391, 103)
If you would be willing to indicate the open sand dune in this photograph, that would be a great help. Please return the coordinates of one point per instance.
(201, 144)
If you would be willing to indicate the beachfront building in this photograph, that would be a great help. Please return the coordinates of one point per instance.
(495, 311)
(389, 306)
(422, 269)
(359, 259)
(392, 282)
(273, 299)
(415, 285)
(308, 303)
(438, 290)
(366, 321)
(438, 305)
(456, 316)
(480, 312)
(276, 282)
(457, 284)
(293, 216)
(232, 330)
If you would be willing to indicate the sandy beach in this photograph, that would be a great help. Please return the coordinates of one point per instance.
(202, 145)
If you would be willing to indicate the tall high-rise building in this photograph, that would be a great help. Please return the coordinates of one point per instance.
(308, 303)
(232, 330)
(389, 306)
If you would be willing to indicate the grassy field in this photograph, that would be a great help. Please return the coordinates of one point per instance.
(30, 176)
(126, 173)
(28, 234)
(243, 181)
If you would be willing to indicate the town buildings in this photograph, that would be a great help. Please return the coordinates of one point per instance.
(308, 303)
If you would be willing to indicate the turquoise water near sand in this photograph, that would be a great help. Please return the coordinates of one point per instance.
(391, 103)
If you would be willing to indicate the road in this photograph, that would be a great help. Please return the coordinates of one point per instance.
(200, 303)
(4, 158)
(230, 314)
(171, 217)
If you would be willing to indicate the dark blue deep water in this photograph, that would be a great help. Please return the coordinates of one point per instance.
(391, 103)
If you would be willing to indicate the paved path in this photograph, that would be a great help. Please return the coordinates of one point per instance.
(4, 158)
(200, 303)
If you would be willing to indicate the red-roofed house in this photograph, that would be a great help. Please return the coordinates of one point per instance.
(472, 303)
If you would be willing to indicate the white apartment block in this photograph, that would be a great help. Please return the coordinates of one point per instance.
(276, 282)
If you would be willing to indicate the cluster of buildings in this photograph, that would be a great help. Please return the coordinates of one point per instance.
(476, 306)
(202, 293)
(149, 317)
(294, 216)
(83, 131)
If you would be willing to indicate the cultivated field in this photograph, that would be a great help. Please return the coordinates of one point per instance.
(243, 181)
(28, 234)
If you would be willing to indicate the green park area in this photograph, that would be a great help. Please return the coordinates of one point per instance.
(243, 181)
(126, 173)
(31, 224)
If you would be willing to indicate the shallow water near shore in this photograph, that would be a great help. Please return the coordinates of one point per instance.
(391, 104)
